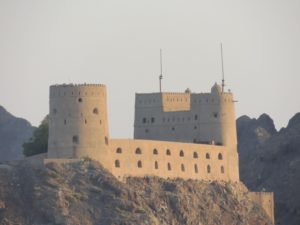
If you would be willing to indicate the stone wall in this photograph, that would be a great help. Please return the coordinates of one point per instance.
(266, 200)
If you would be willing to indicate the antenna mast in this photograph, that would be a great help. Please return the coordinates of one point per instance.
(223, 76)
(160, 76)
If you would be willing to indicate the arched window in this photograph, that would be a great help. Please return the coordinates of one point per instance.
(138, 151)
(139, 164)
(195, 155)
(181, 154)
(106, 140)
(222, 169)
(168, 152)
(208, 169)
(75, 139)
(196, 168)
(207, 155)
(169, 166)
(182, 168)
(156, 165)
(117, 163)
(119, 150)
(95, 111)
(155, 152)
(220, 156)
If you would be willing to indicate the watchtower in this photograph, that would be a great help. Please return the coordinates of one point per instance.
(78, 122)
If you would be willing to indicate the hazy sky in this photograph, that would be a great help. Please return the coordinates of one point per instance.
(44, 42)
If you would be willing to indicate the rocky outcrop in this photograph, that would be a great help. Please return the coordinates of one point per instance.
(84, 193)
(13, 133)
(270, 160)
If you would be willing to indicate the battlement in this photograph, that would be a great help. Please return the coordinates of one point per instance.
(77, 85)
(76, 90)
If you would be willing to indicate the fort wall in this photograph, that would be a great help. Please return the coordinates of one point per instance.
(266, 200)
(169, 160)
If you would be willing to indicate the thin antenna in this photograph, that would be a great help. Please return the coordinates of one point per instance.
(160, 76)
(223, 76)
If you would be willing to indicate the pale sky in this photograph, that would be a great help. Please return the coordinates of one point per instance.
(44, 42)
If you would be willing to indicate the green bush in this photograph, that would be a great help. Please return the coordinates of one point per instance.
(39, 141)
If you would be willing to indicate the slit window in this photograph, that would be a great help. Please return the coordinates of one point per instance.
(106, 140)
(117, 164)
(208, 169)
(222, 169)
(156, 165)
(152, 120)
(139, 164)
(195, 155)
(196, 168)
(182, 168)
(138, 151)
(169, 166)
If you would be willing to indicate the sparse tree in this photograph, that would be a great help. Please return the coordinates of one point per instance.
(39, 141)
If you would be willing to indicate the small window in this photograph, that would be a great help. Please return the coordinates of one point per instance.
(152, 120)
(207, 155)
(222, 169)
(181, 154)
(182, 168)
(117, 163)
(169, 166)
(155, 152)
(196, 117)
(215, 115)
(146, 130)
(54, 111)
(195, 155)
(144, 120)
(85, 121)
(208, 169)
(80, 100)
(139, 164)
(195, 127)
(119, 150)
(196, 168)
(138, 151)
(65, 122)
(156, 165)
(100, 121)
(106, 140)
(95, 111)
(173, 128)
(75, 139)
(220, 156)
(168, 152)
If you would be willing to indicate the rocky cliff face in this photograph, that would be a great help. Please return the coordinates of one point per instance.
(13, 133)
(270, 160)
(84, 193)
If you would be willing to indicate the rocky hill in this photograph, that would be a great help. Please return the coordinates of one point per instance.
(13, 133)
(84, 193)
(270, 160)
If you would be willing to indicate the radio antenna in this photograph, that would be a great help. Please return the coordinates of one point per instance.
(223, 76)
(161, 71)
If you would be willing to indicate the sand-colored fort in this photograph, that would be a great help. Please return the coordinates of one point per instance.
(186, 135)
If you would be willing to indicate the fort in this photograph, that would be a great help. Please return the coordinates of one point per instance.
(186, 135)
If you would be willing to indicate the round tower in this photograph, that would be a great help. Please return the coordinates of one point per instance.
(78, 122)
(227, 128)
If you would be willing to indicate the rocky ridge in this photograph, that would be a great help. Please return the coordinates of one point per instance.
(270, 161)
(85, 193)
(13, 133)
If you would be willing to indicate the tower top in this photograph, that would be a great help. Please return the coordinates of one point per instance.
(223, 76)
